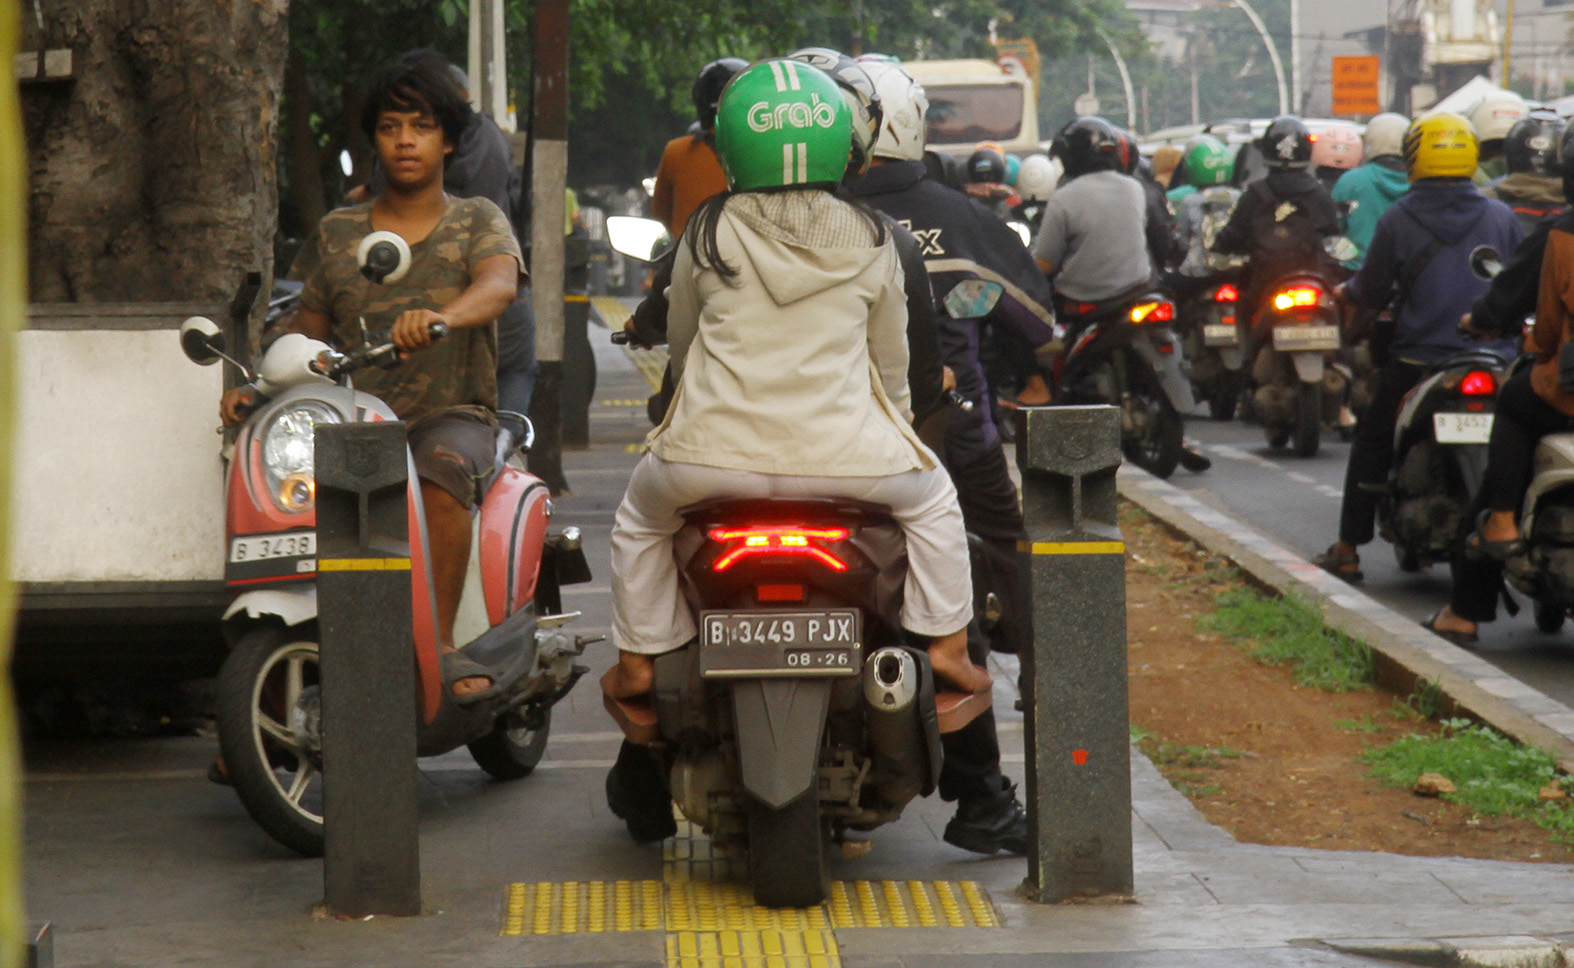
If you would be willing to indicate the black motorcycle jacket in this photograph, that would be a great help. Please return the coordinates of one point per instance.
(1511, 298)
(1280, 223)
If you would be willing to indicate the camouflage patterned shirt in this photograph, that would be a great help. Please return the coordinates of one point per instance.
(457, 371)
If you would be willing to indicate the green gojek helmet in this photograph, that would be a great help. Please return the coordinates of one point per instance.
(1208, 162)
(780, 123)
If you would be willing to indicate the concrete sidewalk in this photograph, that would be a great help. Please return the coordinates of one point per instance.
(139, 861)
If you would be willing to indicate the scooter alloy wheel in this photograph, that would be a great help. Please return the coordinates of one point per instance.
(269, 732)
(512, 749)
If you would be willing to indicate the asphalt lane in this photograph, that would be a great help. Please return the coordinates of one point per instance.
(1295, 501)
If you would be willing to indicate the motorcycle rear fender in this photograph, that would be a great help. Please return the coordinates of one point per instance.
(290, 604)
(1233, 357)
(1412, 402)
(1168, 367)
(779, 723)
(1543, 485)
(1309, 366)
(1472, 461)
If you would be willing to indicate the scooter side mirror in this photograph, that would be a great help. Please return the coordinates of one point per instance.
(1485, 262)
(644, 239)
(973, 298)
(201, 340)
(383, 257)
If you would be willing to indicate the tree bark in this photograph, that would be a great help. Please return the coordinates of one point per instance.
(153, 171)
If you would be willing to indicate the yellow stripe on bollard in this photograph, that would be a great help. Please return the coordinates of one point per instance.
(363, 564)
(1073, 547)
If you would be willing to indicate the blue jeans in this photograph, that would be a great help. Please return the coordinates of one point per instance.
(516, 355)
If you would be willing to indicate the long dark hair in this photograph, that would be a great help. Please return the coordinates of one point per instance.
(701, 230)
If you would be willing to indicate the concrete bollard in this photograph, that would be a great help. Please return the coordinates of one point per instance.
(371, 860)
(1074, 674)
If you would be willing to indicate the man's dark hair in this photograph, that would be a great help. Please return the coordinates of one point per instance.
(417, 84)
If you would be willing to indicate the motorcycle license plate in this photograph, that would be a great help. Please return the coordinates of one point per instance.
(1291, 339)
(296, 544)
(756, 644)
(1462, 428)
(1220, 334)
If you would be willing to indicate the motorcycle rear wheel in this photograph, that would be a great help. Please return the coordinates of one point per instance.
(1549, 618)
(787, 853)
(1156, 448)
(1225, 395)
(272, 750)
(512, 749)
(1308, 429)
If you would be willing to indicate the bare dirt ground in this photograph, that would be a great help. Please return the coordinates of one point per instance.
(1298, 780)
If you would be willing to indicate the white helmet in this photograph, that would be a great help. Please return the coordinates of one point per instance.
(1495, 114)
(904, 105)
(1385, 134)
(857, 90)
(1038, 176)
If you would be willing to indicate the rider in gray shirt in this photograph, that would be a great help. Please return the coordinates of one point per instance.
(1091, 240)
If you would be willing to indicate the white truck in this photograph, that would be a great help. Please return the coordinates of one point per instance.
(979, 100)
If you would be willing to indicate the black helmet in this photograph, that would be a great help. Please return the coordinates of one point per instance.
(1532, 143)
(1130, 157)
(986, 165)
(1087, 145)
(1286, 144)
(707, 87)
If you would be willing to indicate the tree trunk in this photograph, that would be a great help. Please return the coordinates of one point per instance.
(153, 170)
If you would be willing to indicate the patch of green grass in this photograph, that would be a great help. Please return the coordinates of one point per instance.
(1289, 631)
(1196, 790)
(1190, 757)
(1362, 725)
(1423, 703)
(1493, 774)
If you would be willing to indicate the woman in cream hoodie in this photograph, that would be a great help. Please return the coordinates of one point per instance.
(787, 329)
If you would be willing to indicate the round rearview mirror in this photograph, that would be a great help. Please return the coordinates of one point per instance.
(201, 340)
(384, 257)
(1485, 262)
(644, 239)
(1339, 248)
(972, 298)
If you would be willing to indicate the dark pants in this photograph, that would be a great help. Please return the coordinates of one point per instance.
(1372, 450)
(1522, 418)
(972, 754)
(516, 355)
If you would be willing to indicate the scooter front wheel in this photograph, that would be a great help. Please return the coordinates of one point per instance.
(515, 745)
(269, 721)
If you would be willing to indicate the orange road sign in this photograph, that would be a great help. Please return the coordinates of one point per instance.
(1355, 85)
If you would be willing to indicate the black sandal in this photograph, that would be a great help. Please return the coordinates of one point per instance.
(1452, 635)
(1477, 545)
(1344, 565)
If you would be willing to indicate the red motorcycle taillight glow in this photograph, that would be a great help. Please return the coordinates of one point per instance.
(1226, 293)
(1478, 383)
(779, 593)
(777, 541)
(1153, 312)
(1298, 297)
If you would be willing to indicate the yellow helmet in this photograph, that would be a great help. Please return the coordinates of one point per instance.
(1440, 145)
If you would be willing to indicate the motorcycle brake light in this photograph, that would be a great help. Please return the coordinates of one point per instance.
(779, 593)
(1226, 293)
(775, 542)
(1228, 320)
(1478, 383)
(1297, 297)
(1153, 312)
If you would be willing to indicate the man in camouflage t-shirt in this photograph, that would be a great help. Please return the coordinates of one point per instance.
(465, 270)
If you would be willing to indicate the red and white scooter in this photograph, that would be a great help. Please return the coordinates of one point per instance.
(511, 616)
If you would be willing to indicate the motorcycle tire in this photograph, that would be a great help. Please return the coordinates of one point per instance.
(1407, 559)
(1277, 437)
(1158, 449)
(787, 853)
(1225, 396)
(1308, 430)
(1549, 618)
(512, 749)
(265, 692)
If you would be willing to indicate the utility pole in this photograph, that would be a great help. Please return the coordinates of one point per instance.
(1298, 93)
(548, 183)
(1508, 43)
(488, 61)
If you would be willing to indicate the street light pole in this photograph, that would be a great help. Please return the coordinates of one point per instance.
(1273, 53)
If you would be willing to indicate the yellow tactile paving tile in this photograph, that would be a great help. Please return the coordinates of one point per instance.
(680, 904)
(760, 949)
(650, 363)
(612, 310)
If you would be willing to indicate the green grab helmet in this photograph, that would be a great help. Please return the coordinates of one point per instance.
(1208, 162)
(782, 122)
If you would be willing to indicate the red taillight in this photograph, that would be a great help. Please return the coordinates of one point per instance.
(1478, 383)
(777, 541)
(1162, 311)
(1226, 293)
(779, 593)
(1297, 297)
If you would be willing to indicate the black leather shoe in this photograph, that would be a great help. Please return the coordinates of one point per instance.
(637, 795)
(989, 826)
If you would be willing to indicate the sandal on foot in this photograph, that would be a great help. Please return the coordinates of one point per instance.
(457, 666)
(1477, 545)
(1452, 635)
(1344, 565)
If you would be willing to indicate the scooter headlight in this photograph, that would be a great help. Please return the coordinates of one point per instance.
(288, 451)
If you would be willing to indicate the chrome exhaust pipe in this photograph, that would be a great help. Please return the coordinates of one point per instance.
(891, 715)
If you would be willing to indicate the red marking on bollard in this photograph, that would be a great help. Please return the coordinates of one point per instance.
(1079, 757)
